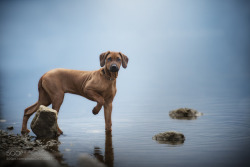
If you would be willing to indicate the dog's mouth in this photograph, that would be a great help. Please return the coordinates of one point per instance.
(113, 68)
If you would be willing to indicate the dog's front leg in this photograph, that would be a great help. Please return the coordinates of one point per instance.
(107, 115)
(92, 95)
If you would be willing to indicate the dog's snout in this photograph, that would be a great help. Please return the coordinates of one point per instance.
(114, 68)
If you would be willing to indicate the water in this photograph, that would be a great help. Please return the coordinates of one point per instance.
(218, 138)
(181, 53)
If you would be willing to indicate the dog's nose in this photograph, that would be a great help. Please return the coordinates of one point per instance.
(114, 68)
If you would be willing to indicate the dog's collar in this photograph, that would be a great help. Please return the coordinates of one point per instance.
(106, 76)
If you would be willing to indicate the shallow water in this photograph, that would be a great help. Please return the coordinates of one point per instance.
(218, 138)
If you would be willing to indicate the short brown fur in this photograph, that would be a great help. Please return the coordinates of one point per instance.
(99, 86)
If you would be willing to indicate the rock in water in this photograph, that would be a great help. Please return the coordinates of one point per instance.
(170, 138)
(10, 127)
(44, 124)
(184, 113)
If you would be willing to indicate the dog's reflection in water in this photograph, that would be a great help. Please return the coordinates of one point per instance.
(108, 157)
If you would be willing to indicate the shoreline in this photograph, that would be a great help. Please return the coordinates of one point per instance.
(15, 149)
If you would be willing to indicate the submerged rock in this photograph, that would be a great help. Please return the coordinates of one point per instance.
(170, 137)
(44, 124)
(184, 113)
(10, 127)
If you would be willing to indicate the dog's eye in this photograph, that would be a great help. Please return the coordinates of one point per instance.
(118, 59)
(109, 59)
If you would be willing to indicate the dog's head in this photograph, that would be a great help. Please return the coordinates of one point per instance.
(113, 60)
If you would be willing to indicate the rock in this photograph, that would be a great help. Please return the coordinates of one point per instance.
(15, 143)
(184, 113)
(51, 144)
(3, 140)
(170, 137)
(44, 124)
(86, 160)
(10, 127)
(38, 142)
(28, 148)
(22, 148)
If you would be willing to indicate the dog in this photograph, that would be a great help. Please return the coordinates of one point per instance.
(98, 86)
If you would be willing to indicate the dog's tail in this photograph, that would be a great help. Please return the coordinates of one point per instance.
(40, 84)
(31, 109)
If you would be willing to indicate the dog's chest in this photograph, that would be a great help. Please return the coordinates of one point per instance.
(107, 89)
(98, 83)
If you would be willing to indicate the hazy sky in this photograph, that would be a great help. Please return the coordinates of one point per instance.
(178, 46)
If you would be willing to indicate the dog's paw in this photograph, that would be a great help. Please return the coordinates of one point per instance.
(94, 111)
(25, 131)
(59, 133)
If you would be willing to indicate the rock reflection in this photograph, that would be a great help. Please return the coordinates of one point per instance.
(108, 157)
(183, 117)
(174, 143)
(52, 146)
(170, 137)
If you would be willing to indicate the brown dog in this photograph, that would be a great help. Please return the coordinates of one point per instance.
(99, 86)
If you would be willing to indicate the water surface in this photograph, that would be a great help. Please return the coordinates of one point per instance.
(218, 138)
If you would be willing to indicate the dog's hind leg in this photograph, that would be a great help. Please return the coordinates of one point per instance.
(55, 93)
(27, 113)
(56, 104)
(44, 99)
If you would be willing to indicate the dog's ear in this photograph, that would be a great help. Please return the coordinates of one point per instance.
(124, 60)
(103, 57)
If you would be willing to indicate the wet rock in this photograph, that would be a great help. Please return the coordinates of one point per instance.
(170, 137)
(184, 113)
(44, 124)
(3, 140)
(10, 127)
(38, 142)
(51, 144)
(28, 148)
(23, 148)
(86, 160)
